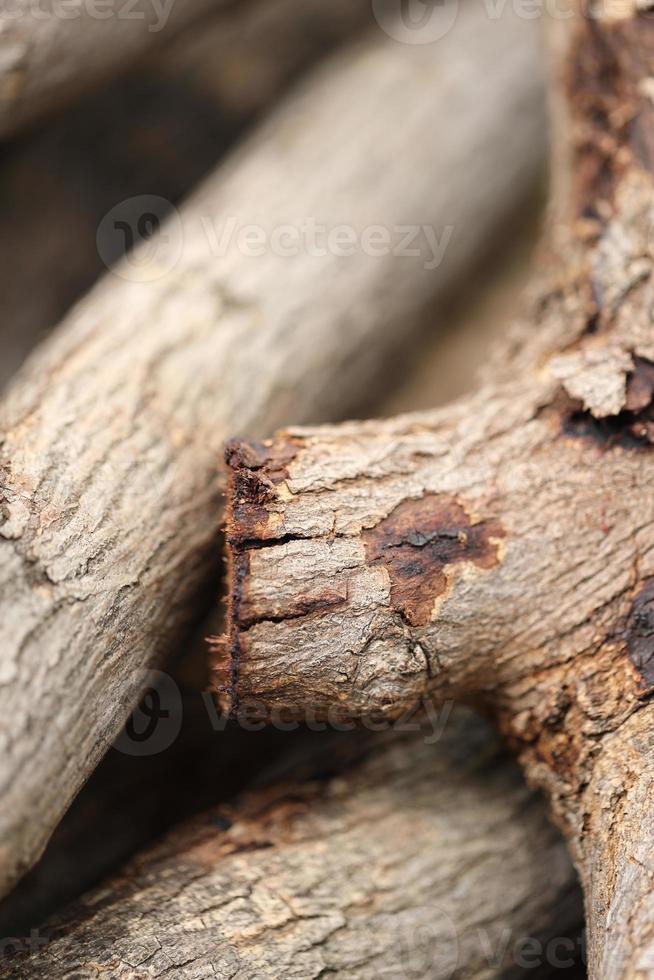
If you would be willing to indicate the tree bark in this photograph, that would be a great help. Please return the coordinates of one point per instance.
(51, 57)
(500, 550)
(403, 859)
(111, 435)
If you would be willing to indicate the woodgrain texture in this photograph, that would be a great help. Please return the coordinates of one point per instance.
(403, 859)
(112, 434)
(501, 549)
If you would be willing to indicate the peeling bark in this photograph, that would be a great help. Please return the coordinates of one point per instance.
(402, 859)
(111, 434)
(512, 555)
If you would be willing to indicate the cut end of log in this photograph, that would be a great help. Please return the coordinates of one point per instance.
(253, 471)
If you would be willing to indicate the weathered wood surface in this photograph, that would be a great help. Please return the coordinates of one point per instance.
(501, 549)
(129, 800)
(111, 435)
(416, 860)
(52, 53)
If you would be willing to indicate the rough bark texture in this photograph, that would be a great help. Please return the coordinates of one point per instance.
(131, 800)
(500, 550)
(51, 56)
(417, 860)
(110, 435)
(161, 127)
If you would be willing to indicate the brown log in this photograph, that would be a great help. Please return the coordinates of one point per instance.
(500, 550)
(111, 435)
(405, 858)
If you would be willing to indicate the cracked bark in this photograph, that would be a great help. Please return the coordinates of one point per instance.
(500, 550)
(367, 870)
(111, 433)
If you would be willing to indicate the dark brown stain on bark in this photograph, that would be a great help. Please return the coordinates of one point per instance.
(628, 430)
(419, 540)
(639, 634)
(632, 428)
(640, 385)
(612, 113)
(227, 649)
(256, 469)
(270, 458)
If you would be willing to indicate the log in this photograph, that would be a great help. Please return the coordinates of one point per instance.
(111, 435)
(401, 858)
(53, 52)
(163, 126)
(500, 550)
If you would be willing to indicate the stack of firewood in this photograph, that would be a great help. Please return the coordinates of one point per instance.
(315, 792)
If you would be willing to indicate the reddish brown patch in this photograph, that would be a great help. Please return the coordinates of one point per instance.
(639, 634)
(608, 62)
(416, 543)
(256, 468)
(270, 458)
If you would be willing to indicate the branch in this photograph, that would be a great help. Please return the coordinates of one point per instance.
(503, 549)
(183, 95)
(364, 873)
(53, 56)
(111, 435)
